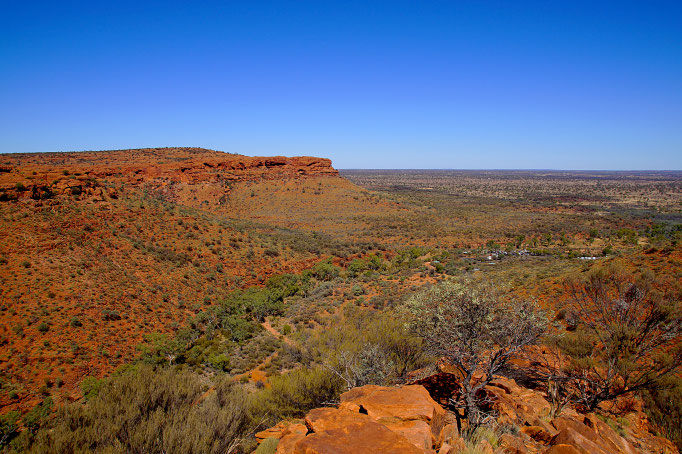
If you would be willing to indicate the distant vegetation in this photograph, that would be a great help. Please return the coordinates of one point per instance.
(181, 385)
(136, 314)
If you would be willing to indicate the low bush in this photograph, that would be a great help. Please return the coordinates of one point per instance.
(664, 408)
(324, 271)
(152, 411)
(293, 394)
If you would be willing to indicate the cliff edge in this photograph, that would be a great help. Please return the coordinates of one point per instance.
(43, 175)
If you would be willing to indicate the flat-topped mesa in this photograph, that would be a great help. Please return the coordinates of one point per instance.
(241, 168)
(59, 172)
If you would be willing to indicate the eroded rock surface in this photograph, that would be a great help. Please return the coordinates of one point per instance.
(42, 175)
(370, 419)
(395, 407)
(377, 419)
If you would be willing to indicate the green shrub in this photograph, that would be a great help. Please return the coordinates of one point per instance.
(664, 408)
(475, 329)
(295, 393)
(152, 411)
(474, 439)
(220, 362)
(271, 252)
(356, 267)
(38, 415)
(325, 271)
(267, 446)
(90, 387)
(258, 303)
(8, 427)
(283, 285)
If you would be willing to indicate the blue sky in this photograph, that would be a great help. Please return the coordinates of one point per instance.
(452, 84)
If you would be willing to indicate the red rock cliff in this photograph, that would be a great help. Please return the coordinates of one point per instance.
(58, 171)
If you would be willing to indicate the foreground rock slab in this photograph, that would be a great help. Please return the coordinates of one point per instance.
(378, 419)
(361, 437)
(408, 410)
(370, 419)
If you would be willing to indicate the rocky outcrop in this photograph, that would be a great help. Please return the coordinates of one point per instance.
(409, 411)
(75, 172)
(230, 168)
(370, 419)
(376, 419)
(517, 405)
(333, 430)
(528, 410)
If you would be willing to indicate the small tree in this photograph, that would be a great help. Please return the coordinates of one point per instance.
(476, 330)
(627, 335)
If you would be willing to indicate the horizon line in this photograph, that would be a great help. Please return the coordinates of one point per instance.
(475, 169)
(508, 169)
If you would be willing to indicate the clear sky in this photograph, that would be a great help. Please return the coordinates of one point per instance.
(383, 84)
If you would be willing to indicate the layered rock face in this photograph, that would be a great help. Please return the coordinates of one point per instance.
(370, 419)
(375, 419)
(40, 173)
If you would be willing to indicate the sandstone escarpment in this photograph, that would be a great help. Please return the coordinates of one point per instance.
(43, 175)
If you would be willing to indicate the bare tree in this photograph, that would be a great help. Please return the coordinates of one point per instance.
(476, 330)
(370, 365)
(627, 334)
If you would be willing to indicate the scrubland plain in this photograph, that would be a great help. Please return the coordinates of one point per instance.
(272, 272)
